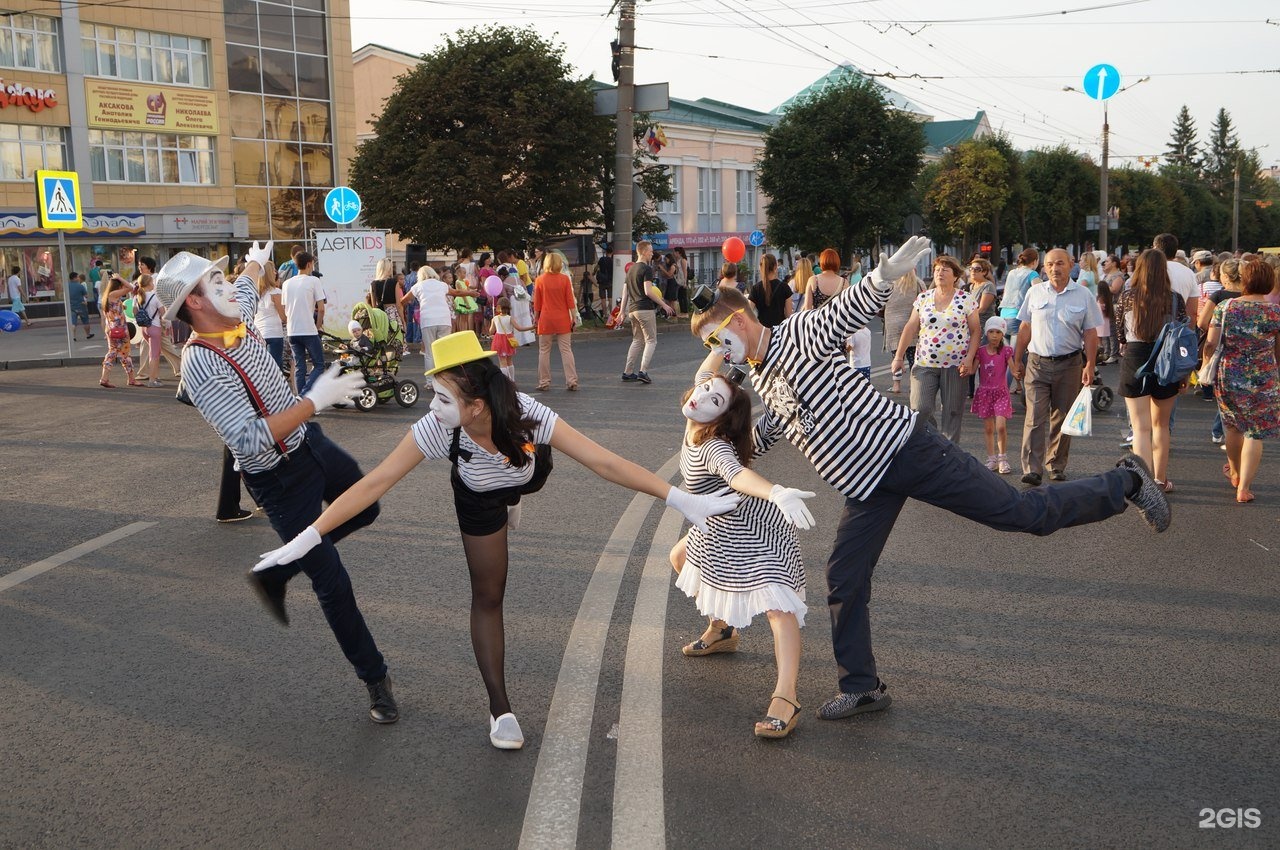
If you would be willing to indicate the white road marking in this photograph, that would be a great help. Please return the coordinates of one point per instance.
(639, 822)
(32, 570)
(555, 798)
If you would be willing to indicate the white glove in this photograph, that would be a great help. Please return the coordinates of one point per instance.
(791, 502)
(903, 260)
(261, 256)
(291, 551)
(696, 509)
(333, 387)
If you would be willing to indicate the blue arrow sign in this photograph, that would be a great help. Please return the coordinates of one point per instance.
(1101, 81)
(342, 205)
(756, 239)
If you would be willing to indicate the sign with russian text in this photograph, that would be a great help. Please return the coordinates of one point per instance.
(114, 105)
(348, 260)
(31, 97)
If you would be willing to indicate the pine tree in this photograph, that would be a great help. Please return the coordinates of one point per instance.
(1224, 149)
(1183, 151)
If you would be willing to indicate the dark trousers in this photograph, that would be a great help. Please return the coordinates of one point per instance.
(934, 470)
(228, 487)
(293, 495)
(304, 347)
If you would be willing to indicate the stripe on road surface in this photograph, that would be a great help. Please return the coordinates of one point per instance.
(32, 570)
(555, 798)
(639, 822)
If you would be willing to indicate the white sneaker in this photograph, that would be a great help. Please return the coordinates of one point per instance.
(504, 732)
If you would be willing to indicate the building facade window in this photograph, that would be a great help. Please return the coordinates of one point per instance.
(673, 205)
(281, 113)
(126, 157)
(27, 147)
(152, 57)
(709, 191)
(746, 193)
(30, 42)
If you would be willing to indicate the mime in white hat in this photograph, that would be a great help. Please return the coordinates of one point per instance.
(288, 465)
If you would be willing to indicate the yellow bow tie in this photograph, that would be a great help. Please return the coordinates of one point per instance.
(228, 337)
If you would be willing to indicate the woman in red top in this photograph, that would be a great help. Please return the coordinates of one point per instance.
(555, 312)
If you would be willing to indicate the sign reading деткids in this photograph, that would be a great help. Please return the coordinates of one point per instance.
(58, 200)
(115, 105)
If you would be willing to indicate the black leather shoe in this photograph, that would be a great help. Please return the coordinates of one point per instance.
(382, 705)
(271, 592)
(1032, 478)
(239, 516)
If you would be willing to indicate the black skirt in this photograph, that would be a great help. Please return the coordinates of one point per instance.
(1136, 354)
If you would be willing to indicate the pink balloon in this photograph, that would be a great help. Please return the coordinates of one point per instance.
(493, 286)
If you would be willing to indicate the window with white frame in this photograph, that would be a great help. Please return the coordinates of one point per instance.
(709, 190)
(128, 54)
(673, 205)
(746, 194)
(125, 157)
(30, 42)
(27, 147)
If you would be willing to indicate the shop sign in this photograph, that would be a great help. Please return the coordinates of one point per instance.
(17, 94)
(113, 105)
(103, 224)
(703, 240)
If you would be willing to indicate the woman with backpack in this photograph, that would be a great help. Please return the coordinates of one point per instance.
(148, 314)
(1141, 312)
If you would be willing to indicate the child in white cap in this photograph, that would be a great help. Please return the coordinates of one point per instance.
(991, 401)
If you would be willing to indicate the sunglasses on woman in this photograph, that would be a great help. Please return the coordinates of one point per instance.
(713, 340)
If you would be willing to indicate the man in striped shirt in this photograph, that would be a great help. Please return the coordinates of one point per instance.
(879, 454)
(288, 465)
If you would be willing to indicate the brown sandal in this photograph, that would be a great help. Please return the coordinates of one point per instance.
(727, 642)
(773, 727)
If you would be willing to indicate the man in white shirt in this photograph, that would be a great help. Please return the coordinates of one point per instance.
(432, 295)
(15, 296)
(304, 315)
(1181, 277)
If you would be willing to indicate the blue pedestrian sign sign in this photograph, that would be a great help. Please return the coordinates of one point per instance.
(756, 239)
(342, 205)
(1101, 81)
(58, 200)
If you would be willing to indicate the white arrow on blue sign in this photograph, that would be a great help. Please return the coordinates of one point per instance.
(756, 238)
(342, 205)
(1101, 81)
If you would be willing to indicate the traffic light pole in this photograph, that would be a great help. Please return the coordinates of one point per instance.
(623, 178)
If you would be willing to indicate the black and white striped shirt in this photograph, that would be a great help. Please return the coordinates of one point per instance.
(828, 410)
(221, 398)
(485, 471)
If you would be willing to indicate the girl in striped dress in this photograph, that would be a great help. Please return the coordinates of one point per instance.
(748, 561)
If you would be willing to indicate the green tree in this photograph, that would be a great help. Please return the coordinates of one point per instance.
(1149, 204)
(971, 189)
(485, 142)
(1224, 149)
(1183, 150)
(1064, 189)
(1018, 203)
(651, 177)
(838, 169)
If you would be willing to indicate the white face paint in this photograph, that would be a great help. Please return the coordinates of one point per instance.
(709, 401)
(222, 295)
(733, 346)
(445, 405)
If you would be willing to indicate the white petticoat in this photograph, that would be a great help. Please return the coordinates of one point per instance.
(737, 608)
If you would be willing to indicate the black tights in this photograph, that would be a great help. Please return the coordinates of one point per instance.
(487, 563)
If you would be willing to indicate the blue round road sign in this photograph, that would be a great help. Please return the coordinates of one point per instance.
(342, 205)
(756, 238)
(1101, 81)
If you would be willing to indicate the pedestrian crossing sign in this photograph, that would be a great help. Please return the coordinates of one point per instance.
(58, 200)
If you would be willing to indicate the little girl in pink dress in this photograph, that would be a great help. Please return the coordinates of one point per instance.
(991, 401)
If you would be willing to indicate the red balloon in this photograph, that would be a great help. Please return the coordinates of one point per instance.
(733, 249)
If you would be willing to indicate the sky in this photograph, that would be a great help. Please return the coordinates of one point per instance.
(1010, 59)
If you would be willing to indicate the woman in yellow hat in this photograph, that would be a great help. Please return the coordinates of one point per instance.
(499, 442)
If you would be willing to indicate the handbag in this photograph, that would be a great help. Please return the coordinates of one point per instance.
(1209, 371)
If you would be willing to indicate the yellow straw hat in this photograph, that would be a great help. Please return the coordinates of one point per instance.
(455, 349)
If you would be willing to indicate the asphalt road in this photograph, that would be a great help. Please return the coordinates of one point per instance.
(1098, 688)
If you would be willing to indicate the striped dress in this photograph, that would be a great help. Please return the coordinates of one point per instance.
(220, 396)
(749, 562)
(815, 399)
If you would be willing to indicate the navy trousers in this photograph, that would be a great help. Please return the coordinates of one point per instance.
(934, 470)
(293, 495)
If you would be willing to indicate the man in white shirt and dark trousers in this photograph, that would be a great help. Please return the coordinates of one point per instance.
(1059, 326)
(288, 464)
(878, 454)
(304, 314)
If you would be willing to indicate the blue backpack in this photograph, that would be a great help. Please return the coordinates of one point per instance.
(1176, 353)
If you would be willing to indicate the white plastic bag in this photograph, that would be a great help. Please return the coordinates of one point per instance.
(1079, 421)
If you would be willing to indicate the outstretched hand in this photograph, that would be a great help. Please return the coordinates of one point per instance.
(307, 540)
(903, 260)
(262, 255)
(697, 509)
(791, 502)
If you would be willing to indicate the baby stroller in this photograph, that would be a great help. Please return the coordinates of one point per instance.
(1103, 395)
(381, 363)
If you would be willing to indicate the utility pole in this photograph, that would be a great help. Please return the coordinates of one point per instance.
(623, 178)
(1235, 211)
(1104, 220)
